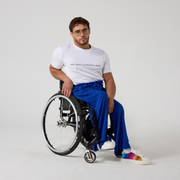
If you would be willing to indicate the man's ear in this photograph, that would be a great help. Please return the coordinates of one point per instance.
(89, 30)
(71, 34)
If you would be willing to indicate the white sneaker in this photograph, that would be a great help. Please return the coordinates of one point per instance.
(134, 157)
(108, 145)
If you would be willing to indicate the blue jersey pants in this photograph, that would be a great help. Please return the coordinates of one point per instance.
(96, 97)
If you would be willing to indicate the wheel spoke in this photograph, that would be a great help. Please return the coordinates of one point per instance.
(57, 137)
(72, 124)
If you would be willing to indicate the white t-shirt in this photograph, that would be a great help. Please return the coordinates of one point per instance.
(81, 65)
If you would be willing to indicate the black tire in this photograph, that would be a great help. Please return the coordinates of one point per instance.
(62, 131)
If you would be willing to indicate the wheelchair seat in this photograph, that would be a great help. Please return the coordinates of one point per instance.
(66, 122)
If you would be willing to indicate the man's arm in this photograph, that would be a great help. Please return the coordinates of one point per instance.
(110, 89)
(60, 75)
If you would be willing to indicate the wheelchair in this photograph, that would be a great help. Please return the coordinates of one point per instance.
(66, 122)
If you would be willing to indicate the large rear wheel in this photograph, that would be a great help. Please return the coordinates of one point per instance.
(62, 124)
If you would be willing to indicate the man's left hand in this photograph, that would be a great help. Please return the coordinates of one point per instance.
(110, 106)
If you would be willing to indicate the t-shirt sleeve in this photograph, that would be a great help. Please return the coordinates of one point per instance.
(107, 67)
(57, 61)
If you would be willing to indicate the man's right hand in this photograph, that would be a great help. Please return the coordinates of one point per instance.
(67, 87)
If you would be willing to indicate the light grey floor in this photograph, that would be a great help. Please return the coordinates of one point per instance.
(24, 156)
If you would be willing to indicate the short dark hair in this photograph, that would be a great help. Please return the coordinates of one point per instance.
(76, 21)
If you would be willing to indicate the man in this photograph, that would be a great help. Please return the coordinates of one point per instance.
(83, 68)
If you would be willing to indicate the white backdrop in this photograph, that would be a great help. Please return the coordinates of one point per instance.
(141, 38)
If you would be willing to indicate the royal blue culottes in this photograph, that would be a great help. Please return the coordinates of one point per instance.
(96, 97)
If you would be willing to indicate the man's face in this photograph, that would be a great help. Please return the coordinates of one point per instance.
(80, 34)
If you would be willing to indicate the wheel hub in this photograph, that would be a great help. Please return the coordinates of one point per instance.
(61, 123)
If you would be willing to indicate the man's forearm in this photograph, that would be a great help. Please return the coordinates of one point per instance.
(110, 85)
(57, 73)
(110, 89)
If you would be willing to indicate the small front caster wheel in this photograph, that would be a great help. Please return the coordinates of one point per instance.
(89, 156)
